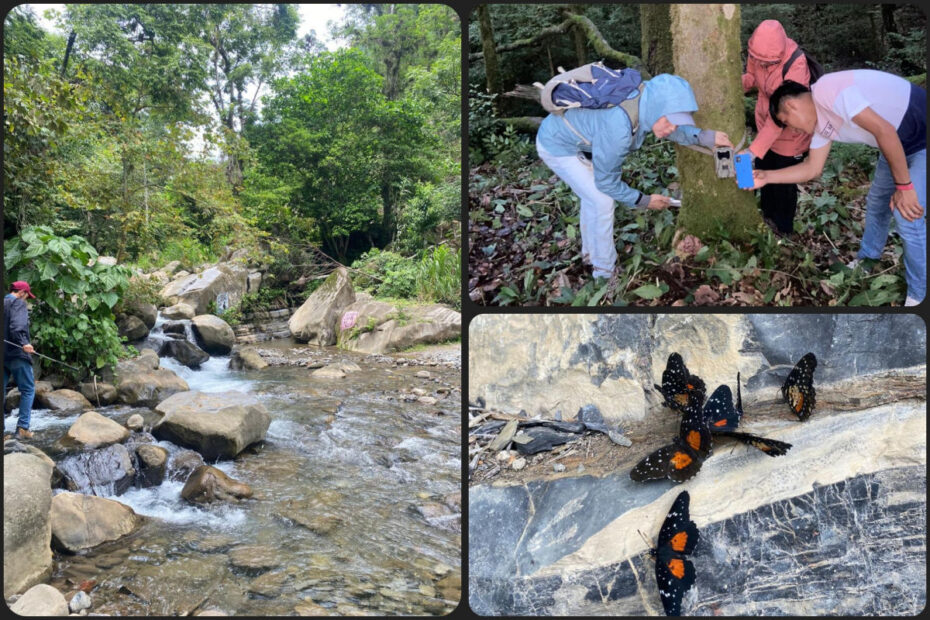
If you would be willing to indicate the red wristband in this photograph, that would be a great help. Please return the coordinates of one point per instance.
(902, 188)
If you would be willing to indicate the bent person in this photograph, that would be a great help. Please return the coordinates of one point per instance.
(17, 361)
(607, 134)
(771, 60)
(882, 110)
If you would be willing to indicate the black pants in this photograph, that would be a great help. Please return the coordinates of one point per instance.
(779, 202)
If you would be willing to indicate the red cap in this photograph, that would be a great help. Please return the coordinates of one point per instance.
(19, 285)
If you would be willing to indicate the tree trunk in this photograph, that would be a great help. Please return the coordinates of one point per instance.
(706, 52)
(492, 70)
(387, 216)
(656, 38)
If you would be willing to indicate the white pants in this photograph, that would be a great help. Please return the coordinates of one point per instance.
(597, 209)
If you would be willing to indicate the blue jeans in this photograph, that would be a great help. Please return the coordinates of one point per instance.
(913, 234)
(21, 370)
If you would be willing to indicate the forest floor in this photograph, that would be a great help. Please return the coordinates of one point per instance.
(525, 244)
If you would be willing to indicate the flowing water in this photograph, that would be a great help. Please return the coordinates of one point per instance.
(351, 507)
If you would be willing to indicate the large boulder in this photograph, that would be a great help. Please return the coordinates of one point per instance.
(27, 499)
(246, 358)
(217, 425)
(132, 328)
(317, 320)
(383, 331)
(182, 464)
(41, 600)
(63, 401)
(153, 462)
(100, 392)
(224, 285)
(85, 521)
(93, 430)
(214, 334)
(106, 471)
(185, 352)
(146, 312)
(146, 389)
(208, 484)
(179, 311)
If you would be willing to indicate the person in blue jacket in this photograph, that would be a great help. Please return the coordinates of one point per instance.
(665, 108)
(17, 362)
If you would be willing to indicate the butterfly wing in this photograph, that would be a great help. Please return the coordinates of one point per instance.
(678, 530)
(693, 430)
(772, 447)
(719, 412)
(798, 389)
(675, 575)
(677, 462)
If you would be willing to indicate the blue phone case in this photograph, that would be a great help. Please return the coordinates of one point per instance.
(744, 171)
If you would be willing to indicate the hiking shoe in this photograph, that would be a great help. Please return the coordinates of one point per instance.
(23, 433)
(910, 301)
(865, 264)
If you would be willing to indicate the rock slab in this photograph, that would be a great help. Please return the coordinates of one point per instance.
(27, 531)
(85, 521)
(317, 320)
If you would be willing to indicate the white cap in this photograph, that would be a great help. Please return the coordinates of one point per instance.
(680, 118)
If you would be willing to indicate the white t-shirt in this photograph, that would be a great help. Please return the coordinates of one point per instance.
(838, 97)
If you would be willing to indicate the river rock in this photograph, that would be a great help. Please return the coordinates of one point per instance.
(135, 422)
(101, 392)
(254, 558)
(185, 352)
(132, 328)
(105, 471)
(224, 285)
(214, 334)
(317, 320)
(179, 311)
(79, 602)
(147, 360)
(174, 327)
(146, 389)
(268, 585)
(11, 401)
(219, 425)
(147, 312)
(93, 430)
(41, 600)
(171, 268)
(411, 326)
(246, 358)
(153, 462)
(254, 281)
(329, 372)
(27, 499)
(209, 484)
(85, 521)
(63, 401)
(182, 464)
(309, 608)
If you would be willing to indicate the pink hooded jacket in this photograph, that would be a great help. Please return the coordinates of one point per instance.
(769, 43)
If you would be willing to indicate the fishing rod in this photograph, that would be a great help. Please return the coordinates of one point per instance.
(51, 359)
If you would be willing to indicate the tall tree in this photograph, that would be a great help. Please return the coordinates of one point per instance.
(655, 27)
(249, 45)
(706, 52)
(491, 68)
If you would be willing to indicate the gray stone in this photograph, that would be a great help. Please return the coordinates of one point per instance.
(209, 484)
(135, 422)
(184, 352)
(246, 358)
(132, 328)
(105, 471)
(99, 393)
(41, 600)
(27, 499)
(85, 521)
(153, 463)
(224, 285)
(93, 430)
(182, 464)
(219, 425)
(415, 325)
(179, 311)
(214, 334)
(147, 389)
(317, 320)
(64, 401)
(254, 281)
(79, 602)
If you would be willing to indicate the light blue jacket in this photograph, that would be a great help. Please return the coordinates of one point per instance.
(611, 134)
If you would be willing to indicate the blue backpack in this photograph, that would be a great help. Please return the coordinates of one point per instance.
(593, 86)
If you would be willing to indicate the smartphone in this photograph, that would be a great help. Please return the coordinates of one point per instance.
(744, 171)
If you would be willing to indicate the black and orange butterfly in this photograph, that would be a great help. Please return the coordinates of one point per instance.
(678, 383)
(682, 459)
(674, 572)
(722, 418)
(798, 390)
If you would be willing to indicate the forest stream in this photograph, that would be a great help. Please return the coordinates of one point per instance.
(351, 513)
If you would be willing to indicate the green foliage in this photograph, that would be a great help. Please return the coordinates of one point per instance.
(438, 276)
(385, 274)
(425, 208)
(73, 317)
(139, 291)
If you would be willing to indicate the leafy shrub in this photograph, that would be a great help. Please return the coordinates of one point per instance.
(72, 317)
(439, 276)
(385, 274)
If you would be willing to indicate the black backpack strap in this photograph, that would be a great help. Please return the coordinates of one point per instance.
(794, 56)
